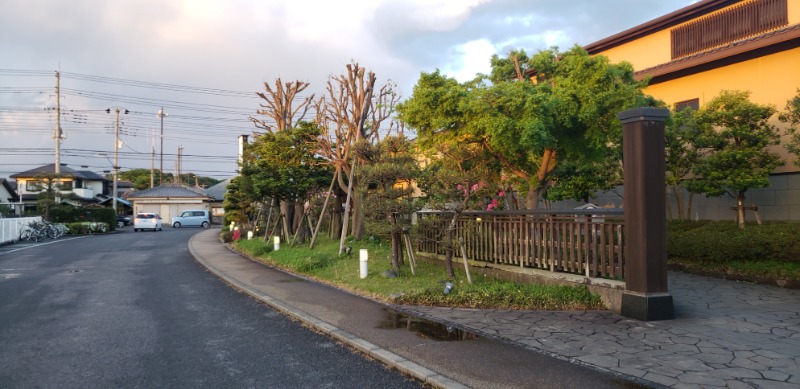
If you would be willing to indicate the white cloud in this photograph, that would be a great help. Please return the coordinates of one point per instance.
(470, 59)
(238, 44)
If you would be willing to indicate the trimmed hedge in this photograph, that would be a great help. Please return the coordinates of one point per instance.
(73, 215)
(83, 228)
(720, 242)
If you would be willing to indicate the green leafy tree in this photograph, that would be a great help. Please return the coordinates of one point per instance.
(791, 115)
(738, 158)
(239, 202)
(50, 197)
(580, 179)
(531, 113)
(683, 136)
(283, 165)
(387, 176)
(141, 177)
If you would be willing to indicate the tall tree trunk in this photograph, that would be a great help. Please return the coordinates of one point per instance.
(337, 216)
(449, 242)
(668, 204)
(689, 206)
(538, 184)
(358, 214)
(287, 213)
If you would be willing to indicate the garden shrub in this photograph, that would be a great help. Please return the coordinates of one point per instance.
(83, 228)
(720, 242)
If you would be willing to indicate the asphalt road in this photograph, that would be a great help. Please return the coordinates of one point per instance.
(135, 310)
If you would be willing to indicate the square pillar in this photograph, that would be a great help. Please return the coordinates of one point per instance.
(646, 296)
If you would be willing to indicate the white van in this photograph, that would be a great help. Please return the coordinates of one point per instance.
(198, 218)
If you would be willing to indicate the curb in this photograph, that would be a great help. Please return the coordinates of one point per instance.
(387, 357)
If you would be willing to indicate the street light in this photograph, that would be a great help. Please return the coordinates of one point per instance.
(160, 114)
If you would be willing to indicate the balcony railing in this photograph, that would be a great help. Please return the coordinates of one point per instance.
(736, 23)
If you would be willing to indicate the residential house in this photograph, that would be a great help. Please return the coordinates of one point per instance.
(692, 54)
(168, 200)
(84, 187)
(8, 195)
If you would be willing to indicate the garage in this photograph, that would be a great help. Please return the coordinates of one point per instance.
(168, 200)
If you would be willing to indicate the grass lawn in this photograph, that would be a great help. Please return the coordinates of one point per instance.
(425, 288)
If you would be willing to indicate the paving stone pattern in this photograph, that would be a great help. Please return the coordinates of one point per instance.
(725, 334)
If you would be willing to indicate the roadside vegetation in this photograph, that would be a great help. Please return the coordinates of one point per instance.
(425, 288)
(768, 253)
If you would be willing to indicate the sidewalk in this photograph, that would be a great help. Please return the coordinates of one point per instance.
(726, 334)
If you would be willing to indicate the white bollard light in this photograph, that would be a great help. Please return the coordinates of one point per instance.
(363, 257)
(276, 243)
(249, 235)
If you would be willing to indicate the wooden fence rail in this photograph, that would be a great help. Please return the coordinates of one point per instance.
(586, 242)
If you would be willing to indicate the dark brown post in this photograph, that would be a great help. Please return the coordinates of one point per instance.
(645, 296)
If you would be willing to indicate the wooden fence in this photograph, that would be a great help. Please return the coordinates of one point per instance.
(586, 242)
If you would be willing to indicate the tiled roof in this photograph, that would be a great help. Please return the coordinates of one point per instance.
(217, 192)
(87, 175)
(168, 190)
(46, 169)
(65, 171)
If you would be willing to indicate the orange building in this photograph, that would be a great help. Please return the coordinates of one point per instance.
(695, 52)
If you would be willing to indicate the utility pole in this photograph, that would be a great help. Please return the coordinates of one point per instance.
(152, 159)
(116, 158)
(180, 152)
(161, 115)
(57, 134)
(116, 147)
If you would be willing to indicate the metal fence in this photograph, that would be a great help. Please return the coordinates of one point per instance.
(586, 242)
(10, 228)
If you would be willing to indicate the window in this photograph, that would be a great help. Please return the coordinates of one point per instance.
(65, 185)
(694, 104)
(34, 186)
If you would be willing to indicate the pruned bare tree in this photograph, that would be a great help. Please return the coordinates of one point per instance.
(278, 105)
(383, 110)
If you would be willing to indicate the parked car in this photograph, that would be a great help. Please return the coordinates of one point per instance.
(147, 221)
(123, 220)
(195, 218)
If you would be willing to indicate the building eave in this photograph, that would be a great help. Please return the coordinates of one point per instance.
(772, 42)
(664, 22)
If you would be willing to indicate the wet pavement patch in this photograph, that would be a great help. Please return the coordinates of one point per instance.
(292, 280)
(423, 327)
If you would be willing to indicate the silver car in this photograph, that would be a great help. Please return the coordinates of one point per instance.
(198, 218)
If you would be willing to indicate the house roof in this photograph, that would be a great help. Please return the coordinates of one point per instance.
(64, 171)
(217, 192)
(168, 190)
(10, 188)
(88, 175)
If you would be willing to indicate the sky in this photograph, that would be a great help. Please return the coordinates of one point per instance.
(202, 61)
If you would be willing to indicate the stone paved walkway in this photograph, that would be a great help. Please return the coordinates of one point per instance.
(725, 334)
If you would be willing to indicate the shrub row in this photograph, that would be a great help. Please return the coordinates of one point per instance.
(72, 215)
(82, 228)
(722, 241)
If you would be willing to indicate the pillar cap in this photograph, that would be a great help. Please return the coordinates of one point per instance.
(643, 114)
